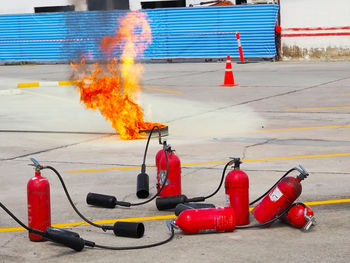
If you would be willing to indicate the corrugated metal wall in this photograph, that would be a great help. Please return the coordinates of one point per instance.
(206, 32)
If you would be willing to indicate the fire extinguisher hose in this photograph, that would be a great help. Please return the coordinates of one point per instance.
(200, 199)
(103, 227)
(221, 180)
(299, 169)
(149, 137)
(143, 172)
(143, 167)
(172, 234)
(31, 230)
(267, 222)
(70, 199)
(74, 241)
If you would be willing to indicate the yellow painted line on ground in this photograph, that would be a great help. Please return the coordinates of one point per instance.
(66, 83)
(111, 221)
(298, 157)
(304, 128)
(326, 202)
(71, 83)
(45, 84)
(220, 162)
(28, 85)
(108, 169)
(318, 108)
(163, 217)
(164, 90)
(345, 94)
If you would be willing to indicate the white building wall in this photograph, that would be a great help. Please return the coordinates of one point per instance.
(315, 28)
(136, 4)
(27, 6)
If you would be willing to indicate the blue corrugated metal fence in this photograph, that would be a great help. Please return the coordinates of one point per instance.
(205, 32)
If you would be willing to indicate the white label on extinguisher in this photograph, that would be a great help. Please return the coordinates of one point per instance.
(162, 176)
(227, 200)
(275, 195)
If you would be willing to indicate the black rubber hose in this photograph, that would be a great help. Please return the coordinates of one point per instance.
(267, 222)
(161, 189)
(70, 199)
(256, 200)
(171, 201)
(104, 228)
(63, 238)
(288, 172)
(143, 168)
(149, 138)
(221, 181)
(172, 234)
(31, 230)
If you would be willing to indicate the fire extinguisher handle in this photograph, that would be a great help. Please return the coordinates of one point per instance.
(310, 221)
(36, 164)
(303, 173)
(237, 161)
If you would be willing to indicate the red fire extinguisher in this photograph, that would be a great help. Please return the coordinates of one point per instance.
(299, 216)
(38, 197)
(194, 221)
(286, 191)
(173, 183)
(237, 193)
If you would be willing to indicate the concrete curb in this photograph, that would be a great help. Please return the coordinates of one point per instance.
(45, 84)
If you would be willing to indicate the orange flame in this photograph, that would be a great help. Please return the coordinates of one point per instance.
(114, 88)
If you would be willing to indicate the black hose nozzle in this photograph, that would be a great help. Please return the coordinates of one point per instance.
(129, 229)
(142, 189)
(106, 201)
(186, 206)
(170, 202)
(67, 238)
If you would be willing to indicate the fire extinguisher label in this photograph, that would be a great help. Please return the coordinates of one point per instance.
(162, 176)
(275, 195)
(227, 200)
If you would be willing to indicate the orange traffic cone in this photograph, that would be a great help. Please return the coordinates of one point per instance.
(229, 81)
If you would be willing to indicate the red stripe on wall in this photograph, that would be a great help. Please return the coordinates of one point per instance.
(316, 34)
(316, 28)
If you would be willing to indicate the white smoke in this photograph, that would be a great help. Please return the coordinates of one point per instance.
(190, 118)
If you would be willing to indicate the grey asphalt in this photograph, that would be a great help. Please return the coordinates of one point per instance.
(279, 116)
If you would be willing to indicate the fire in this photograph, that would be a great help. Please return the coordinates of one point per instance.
(114, 88)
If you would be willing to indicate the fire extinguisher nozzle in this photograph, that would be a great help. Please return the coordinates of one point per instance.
(125, 204)
(170, 202)
(66, 238)
(142, 188)
(129, 229)
(106, 201)
(89, 243)
(196, 199)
